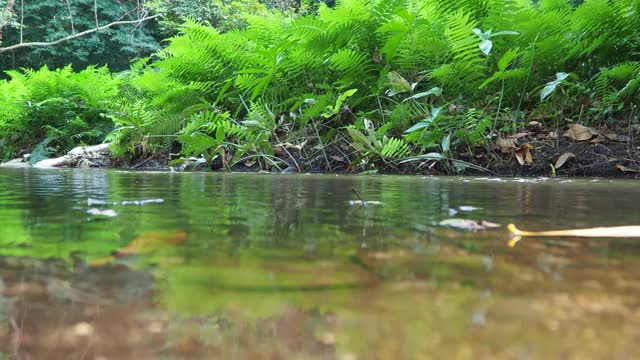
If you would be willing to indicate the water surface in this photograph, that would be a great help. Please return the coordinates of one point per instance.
(237, 266)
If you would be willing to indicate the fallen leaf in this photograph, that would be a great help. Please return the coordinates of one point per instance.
(152, 241)
(534, 124)
(579, 132)
(528, 157)
(82, 329)
(520, 135)
(554, 135)
(337, 158)
(465, 224)
(364, 203)
(292, 146)
(507, 145)
(99, 212)
(626, 169)
(523, 155)
(468, 208)
(563, 159)
(598, 139)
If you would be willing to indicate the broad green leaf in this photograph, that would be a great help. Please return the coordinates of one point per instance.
(435, 91)
(505, 33)
(446, 143)
(398, 84)
(420, 125)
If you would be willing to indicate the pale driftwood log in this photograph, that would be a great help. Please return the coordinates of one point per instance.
(77, 35)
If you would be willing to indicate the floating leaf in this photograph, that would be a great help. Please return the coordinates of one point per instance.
(364, 203)
(563, 159)
(468, 208)
(99, 212)
(466, 224)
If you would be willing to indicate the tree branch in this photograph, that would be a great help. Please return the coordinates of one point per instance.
(80, 34)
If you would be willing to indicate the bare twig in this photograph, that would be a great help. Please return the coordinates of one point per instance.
(73, 27)
(71, 37)
(21, 19)
(95, 12)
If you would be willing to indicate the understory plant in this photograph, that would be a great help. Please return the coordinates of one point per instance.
(57, 109)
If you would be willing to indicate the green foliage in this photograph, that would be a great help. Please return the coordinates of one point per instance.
(50, 20)
(399, 64)
(61, 107)
(223, 15)
(372, 146)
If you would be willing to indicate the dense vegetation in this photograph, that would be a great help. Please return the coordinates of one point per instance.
(397, 80)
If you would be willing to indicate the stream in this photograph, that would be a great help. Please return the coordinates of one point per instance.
(109, 264)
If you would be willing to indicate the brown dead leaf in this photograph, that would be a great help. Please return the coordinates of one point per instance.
(520, 135)
(598, 139)
(523, 155)
(563, 159)
(527, 154)
(579, 132)
(338, 158)
(507, 145)
(626, 169)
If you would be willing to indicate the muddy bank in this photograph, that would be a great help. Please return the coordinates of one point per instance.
(532, 153)
(599, 159)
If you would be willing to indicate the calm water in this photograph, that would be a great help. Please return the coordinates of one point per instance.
(284, 267)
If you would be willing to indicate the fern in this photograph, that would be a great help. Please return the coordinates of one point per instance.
(394, 148)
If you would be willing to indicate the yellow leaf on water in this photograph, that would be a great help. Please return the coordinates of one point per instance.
(563, 159)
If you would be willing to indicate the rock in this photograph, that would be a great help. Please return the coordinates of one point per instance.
(91, 151)
(290, 170)
(188, 164)
(81, 156)
(55, 162)
(15, 163)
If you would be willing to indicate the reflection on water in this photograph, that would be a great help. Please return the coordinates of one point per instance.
(265, 266)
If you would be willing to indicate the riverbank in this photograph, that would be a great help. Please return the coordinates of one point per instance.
(582, 151)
